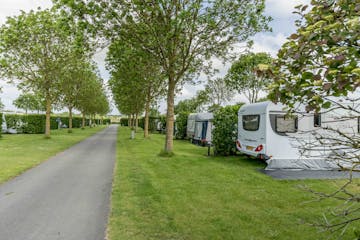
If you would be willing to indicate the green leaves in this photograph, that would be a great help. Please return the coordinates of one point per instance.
(322, 57)
(249, 74)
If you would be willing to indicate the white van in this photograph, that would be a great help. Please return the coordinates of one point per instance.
(203, 128)
(266, 131)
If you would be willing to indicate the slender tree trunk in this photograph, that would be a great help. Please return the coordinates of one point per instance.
(47, 120)
(70, 120)
(83, 121)
(170, 116)
(136, 121)
(129, 120)
(146, 123)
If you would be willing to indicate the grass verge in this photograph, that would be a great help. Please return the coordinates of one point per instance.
(20, 152)
(192, 196)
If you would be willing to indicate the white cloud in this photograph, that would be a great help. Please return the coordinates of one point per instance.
(13, 7)
(269, 43)
(283, 8)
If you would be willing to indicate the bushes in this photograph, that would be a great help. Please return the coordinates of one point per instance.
(124, 122)
(35, 123)
(224, 134)
(181, 123)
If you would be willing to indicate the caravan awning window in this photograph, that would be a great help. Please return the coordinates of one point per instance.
(251, 122)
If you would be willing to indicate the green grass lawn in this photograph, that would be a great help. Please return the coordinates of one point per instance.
(192, 196)
(20, 152)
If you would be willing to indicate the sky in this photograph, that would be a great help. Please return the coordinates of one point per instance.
(282, 27)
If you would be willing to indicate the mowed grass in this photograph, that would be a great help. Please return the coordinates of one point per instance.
(19, 152)
(193, 196)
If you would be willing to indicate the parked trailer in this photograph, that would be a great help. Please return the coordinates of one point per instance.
(203, 128)
(190, 127)
(266, 131)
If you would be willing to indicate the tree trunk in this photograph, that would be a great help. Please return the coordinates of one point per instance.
(70, 120)
(136, 121)
(129, 121)
(146, 123)
(47, 121)
(83, 121)
(170, 117)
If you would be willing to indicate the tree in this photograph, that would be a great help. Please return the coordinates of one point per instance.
(75, 77)
(139, 66)
(319, 67)
(29, 101)
(244, 75)
(218, 92)
(182, 35)
(33, 49)
(92, 98)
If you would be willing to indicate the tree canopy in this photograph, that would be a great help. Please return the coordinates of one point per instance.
(245, 75)
(319, 66)
(182, 36)
(322, 58)
(34, 48)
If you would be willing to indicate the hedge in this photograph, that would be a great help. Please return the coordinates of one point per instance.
(181, 124)
(224, 134)
(35, 123)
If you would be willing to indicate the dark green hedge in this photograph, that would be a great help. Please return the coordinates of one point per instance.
(224, 134)
(124, 122)
(35, 123)
(181, 124)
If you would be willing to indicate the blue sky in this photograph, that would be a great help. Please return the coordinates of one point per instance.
(282, 25)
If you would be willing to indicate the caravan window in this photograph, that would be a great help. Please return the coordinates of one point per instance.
(251, 122)
(284, 124)
(317, 120)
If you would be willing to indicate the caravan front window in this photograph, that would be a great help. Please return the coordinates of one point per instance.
(251, 122)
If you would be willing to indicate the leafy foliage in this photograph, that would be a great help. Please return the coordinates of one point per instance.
(225, 132)
(218, 92)
(29, 101)
(245, 75)
(181, 124)
(35, 123)
(322, 58)
(181, 35)
(319, 67)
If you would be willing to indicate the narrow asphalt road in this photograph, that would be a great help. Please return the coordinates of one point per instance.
(66, 197)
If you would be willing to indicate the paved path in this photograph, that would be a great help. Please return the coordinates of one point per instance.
(66, 197)
(309, 174)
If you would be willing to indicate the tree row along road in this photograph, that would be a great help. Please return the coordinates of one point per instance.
(66, 197)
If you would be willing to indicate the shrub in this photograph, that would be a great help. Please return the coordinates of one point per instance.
(181, 123)
(224, 134)
(35, 123)
(124, 122)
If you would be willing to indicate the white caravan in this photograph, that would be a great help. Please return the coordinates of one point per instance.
(190, 127)
(267, 132)
(199, 128)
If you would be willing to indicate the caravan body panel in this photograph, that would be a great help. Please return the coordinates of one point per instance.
(278, 137)
(190, 127)
(203, 128)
